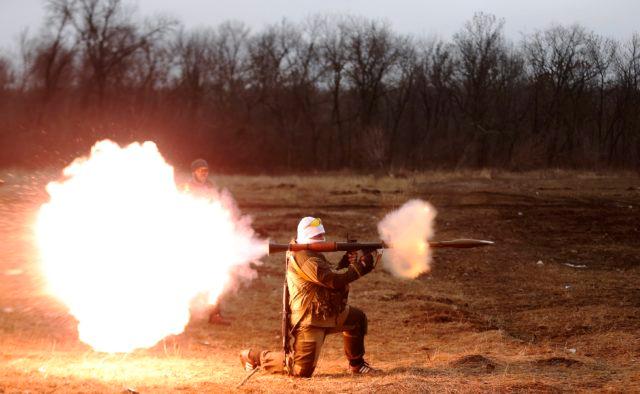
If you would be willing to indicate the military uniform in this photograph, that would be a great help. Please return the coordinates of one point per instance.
(200, 189)
(318, 292)
(206, 189)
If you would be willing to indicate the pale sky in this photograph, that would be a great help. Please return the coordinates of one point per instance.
(615, 18)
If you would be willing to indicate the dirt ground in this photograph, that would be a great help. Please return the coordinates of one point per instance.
(553, 306)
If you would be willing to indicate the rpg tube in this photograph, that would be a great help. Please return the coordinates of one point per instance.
(352, 246)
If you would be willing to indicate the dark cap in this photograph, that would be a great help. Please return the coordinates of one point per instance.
(199, 163)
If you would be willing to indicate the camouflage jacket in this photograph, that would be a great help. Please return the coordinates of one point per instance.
(318, 291)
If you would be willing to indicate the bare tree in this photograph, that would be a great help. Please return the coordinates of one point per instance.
(372, 51)
(6, 74)
(107, 36)
(193, 53)
(601, 53)
(272, 56)
(510, 105)
(562, 71)
(434, 91)
(303, 76)
(149, 69)
(54, 57)
(6, 80)
(624, 131)
(400, 89)
(333, 58)
(230, 52)
(480, 45)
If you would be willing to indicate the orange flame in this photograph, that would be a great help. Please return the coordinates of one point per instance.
(127, 251)
(422, 248)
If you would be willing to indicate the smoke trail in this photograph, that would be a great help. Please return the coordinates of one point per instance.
(407, 230)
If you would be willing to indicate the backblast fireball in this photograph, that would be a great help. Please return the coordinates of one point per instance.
(127, 251)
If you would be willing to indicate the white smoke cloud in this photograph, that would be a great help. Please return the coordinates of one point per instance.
(127, 250)
(407, 230)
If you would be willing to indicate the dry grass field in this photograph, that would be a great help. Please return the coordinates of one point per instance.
(553, 306)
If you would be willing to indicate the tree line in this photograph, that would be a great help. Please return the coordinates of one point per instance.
(329, 93)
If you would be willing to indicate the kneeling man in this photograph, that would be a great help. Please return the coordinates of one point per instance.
(318, 293)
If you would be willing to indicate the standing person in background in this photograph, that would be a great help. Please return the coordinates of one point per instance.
(199, 185)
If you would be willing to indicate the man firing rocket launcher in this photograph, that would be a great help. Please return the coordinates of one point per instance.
(315, 292)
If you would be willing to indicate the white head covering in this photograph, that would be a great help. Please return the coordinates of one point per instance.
(307, 228)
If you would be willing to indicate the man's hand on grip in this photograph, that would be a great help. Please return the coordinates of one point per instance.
(365, 264)
(348, 258)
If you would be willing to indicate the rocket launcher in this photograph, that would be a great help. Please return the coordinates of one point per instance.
(370, 246)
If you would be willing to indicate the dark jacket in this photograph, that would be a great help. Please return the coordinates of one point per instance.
(318, 291)
(196, 188)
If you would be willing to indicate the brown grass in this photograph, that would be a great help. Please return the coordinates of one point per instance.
(487, 320)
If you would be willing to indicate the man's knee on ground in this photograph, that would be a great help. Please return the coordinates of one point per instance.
(304, 358)
(304, 366)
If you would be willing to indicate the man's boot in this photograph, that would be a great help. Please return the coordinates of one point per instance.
(250, 359)
(361, 367)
